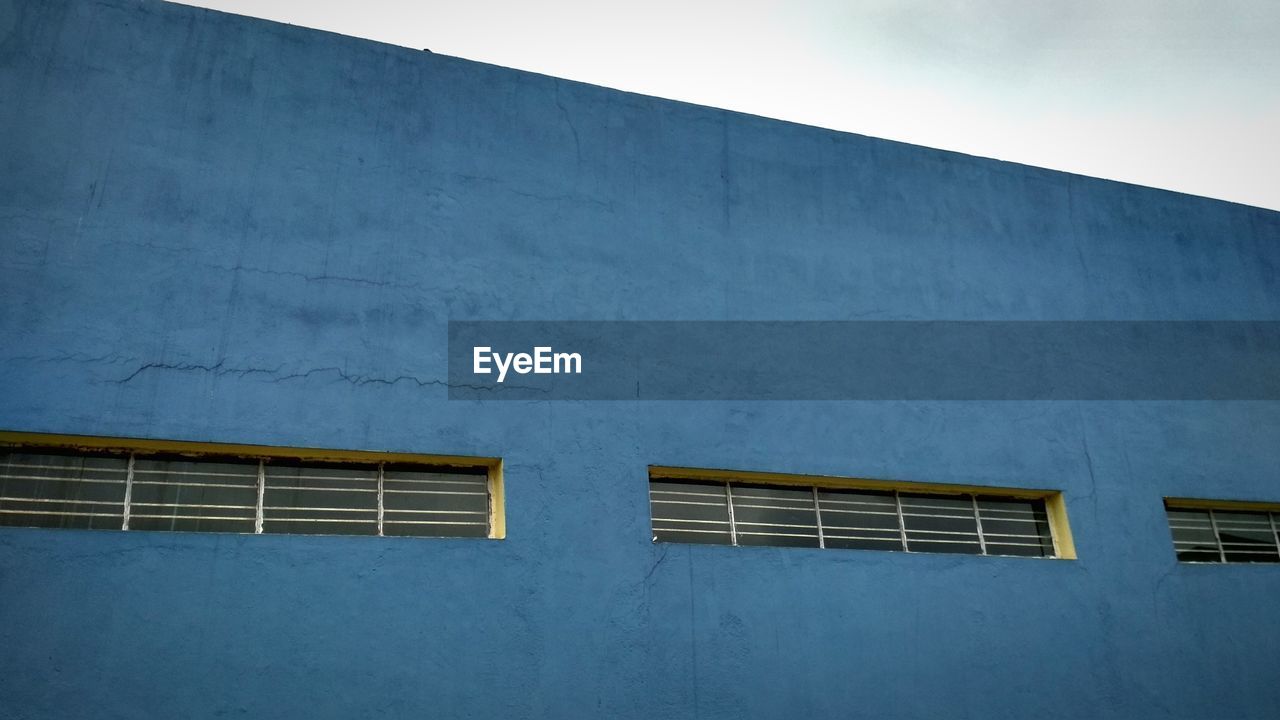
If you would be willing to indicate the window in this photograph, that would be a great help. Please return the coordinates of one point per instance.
(737, 508)
(1224, 532)
(98, 483)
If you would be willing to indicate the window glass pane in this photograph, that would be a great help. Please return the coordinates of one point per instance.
(1246, 536)
(860, 520)
(765, 515)
(940, 523)
(200, 492)
(850, 519)
(1015, 527)
(62, 491)
(320, 498)
(213, 495)
(1193, 538)
(422, 503)
(689, 512)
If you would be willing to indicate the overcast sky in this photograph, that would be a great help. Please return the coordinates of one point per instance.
(1176, 94)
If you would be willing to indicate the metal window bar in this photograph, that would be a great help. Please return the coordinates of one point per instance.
(733, 527)
(262, 491)
(381, 507)
(977, 519)
(128, 493)
(490, 525)
(817, 510)
(1275, 536)
(902, 523)
(1217, 537)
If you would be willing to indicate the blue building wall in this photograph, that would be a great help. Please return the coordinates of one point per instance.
(222, 229)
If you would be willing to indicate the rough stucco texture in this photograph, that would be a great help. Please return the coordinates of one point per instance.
(222, 229)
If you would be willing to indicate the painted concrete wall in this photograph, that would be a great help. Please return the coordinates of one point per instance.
(222, 229)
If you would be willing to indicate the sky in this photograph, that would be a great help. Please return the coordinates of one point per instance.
(1176, 94)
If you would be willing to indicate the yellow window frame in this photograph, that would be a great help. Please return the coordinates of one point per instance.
(492, 465)
(1054, 503)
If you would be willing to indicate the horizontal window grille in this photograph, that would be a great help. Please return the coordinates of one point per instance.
(445, 503)
(62, 491)
(860, 519)
(1012, 526)
(320, 499)
(764, 515)
(149, 491)
(690, 512)
(940, 524)
(1225, 536)
(732, 513)
(198, 496)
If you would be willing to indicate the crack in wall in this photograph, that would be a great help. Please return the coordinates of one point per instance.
(1092, 496)
(564, 112)
(317, 278)
(220, 369)
(661, 559)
